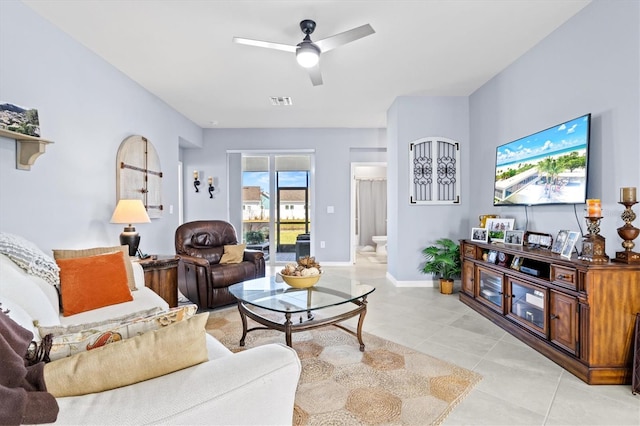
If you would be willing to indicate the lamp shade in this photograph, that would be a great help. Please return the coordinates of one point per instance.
(130, 211)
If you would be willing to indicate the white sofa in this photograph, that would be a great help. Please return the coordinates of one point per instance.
(256, 386)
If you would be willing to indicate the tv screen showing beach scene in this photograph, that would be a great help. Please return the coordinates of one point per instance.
(547, 167)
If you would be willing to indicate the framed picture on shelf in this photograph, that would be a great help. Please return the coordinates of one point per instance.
(572, 239)
(497, 228)
(515, 238)
(538, 239)
(493, 255)
(516, 262)
(479, 235)
(558, 244)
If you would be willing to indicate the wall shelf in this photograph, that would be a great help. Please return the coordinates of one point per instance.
(28, 148)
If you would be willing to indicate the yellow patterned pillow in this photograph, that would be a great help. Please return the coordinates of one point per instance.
(134, 360)
(64, 345)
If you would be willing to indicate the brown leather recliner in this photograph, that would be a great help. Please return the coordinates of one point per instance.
(201, 277)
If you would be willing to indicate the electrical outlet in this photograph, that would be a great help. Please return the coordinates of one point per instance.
(322, 244)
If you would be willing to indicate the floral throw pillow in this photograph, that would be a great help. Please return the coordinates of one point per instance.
(64, 345)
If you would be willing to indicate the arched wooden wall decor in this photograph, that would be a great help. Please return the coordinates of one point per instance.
(138, 174)
(434, 171)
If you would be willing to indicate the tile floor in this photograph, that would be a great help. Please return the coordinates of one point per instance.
(519, 386)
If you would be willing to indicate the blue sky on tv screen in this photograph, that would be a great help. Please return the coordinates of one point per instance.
(286, 179)
(566, 137)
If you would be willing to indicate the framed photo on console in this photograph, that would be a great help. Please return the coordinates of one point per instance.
(515, 238)
(558, 244)
(538, 240)
(572, 239)
(516, 262)
(497, 227)
(479, 235)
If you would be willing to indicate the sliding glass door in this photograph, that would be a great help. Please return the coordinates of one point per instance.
(276, 205)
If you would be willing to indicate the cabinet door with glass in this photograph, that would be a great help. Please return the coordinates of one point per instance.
(489, 288)
(527, 304)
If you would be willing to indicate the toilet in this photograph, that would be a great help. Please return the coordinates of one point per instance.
(381, 244)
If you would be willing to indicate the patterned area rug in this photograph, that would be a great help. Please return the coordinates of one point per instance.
(386, 384)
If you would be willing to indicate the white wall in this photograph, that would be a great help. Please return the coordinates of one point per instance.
(87, 108)
(333, 153)
(410, 228)
(590, 64)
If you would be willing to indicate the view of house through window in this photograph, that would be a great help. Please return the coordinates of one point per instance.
(276, 205)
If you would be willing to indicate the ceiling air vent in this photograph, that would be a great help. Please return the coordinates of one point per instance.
(281, 101)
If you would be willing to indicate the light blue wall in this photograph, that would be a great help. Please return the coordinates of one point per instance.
(334, 149)
(413, 227)
(87, 108)
(590, 64)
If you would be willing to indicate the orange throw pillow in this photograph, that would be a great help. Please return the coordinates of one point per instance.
(93, 282)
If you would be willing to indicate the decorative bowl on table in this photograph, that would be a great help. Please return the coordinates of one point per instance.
(300, 281)
(304, 273)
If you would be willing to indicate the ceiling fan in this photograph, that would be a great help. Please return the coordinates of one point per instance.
(308, 52)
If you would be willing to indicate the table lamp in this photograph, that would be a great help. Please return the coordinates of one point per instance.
(130, 212)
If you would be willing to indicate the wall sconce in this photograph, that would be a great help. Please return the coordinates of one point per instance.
(211, 188)
(196, 182)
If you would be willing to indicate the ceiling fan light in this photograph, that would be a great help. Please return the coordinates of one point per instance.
(307, 54)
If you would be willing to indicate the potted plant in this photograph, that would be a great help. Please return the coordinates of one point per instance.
(443, 260)
(254, 237)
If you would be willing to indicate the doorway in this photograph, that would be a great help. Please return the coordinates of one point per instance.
(368, 212)
(276, 205)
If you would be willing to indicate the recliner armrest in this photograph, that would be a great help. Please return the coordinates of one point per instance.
(257, 258)
(252, 256)
(196, 261)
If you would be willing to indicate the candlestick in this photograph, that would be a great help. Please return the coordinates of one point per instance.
(628, 233)
(593, 244)
(628, 195)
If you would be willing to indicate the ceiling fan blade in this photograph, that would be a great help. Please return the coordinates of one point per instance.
(332, 42)
(267, 44)
(316, 76)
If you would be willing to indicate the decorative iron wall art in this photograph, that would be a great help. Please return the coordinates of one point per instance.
(434, 171)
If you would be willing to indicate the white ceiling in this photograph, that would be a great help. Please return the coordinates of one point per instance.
(182, 52)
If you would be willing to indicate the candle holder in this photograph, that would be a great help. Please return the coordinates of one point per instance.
(628, 233)
(593, 244)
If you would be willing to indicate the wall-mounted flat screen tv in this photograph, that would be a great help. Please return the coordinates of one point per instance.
(547, 167)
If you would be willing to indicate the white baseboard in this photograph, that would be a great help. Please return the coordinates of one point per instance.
(427, 283)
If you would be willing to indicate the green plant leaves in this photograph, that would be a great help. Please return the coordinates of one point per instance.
(442, 259)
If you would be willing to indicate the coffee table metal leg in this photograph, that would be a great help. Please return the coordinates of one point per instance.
(361, 321)
(287, 328)
(244, 323)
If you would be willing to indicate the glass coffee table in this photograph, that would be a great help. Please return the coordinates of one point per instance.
(346, 297)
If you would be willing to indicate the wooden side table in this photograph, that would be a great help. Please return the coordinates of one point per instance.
(161, 276)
